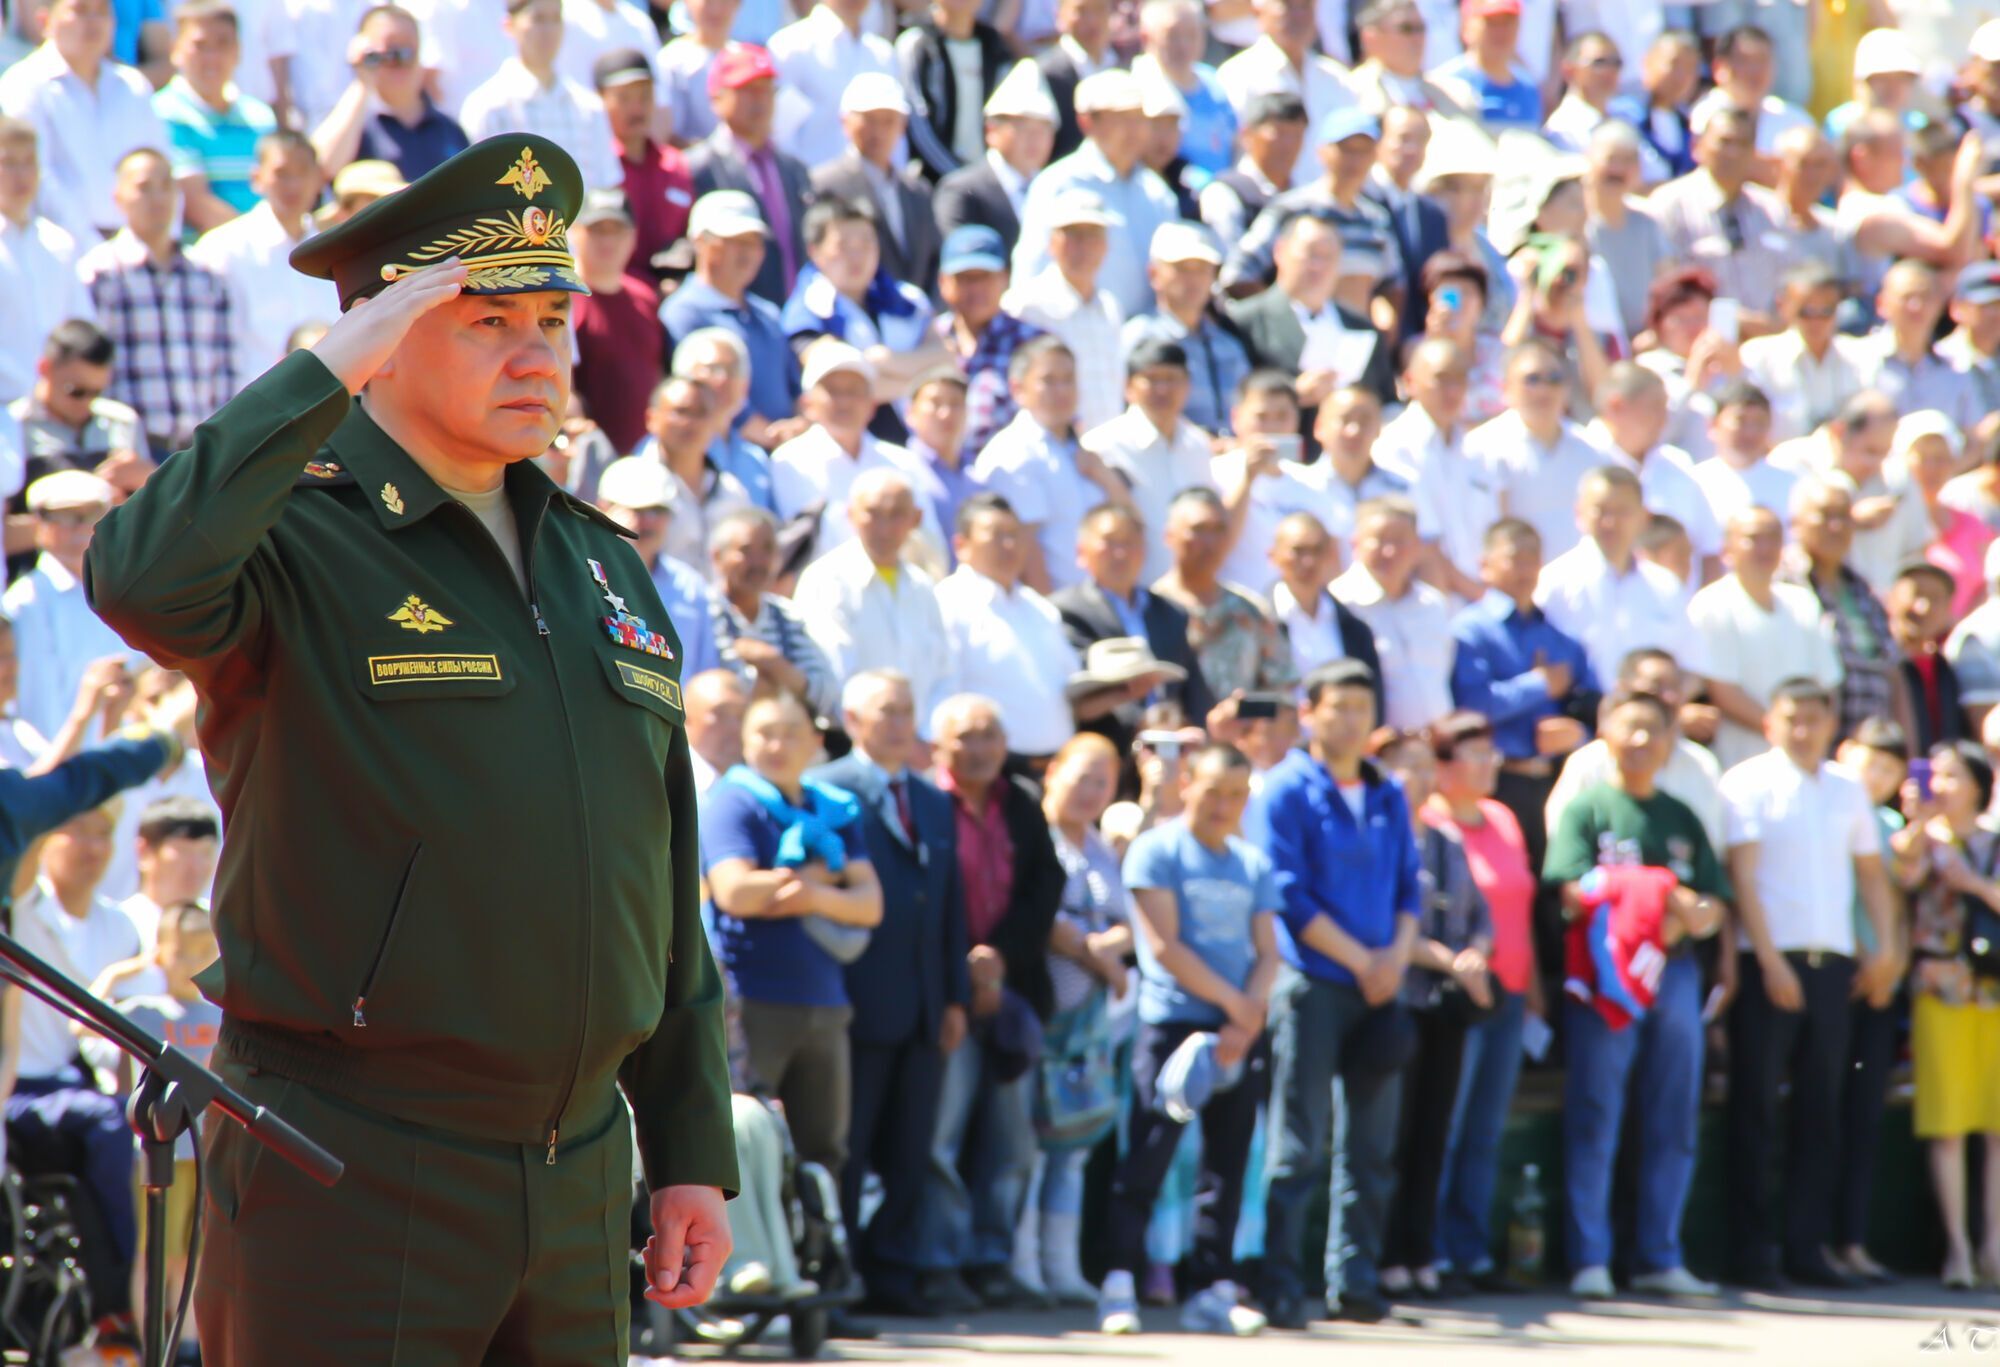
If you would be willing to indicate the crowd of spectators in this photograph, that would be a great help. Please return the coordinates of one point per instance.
(1218, 550)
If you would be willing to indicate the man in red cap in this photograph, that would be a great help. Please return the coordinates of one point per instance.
(1488, 76)
(739, 155)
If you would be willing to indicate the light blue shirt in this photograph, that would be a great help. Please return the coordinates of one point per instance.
(690, 606)
(1217, 897)
(1141, 199)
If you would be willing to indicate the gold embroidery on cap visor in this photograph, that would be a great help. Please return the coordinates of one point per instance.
(517, 250)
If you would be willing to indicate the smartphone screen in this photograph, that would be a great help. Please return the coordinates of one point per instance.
(1725, 319)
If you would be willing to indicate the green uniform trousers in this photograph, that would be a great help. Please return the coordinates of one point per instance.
(431, 1251)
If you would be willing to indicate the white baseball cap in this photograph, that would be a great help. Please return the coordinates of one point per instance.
(1184, 241)
(1986, 41)
(1885, 52)
(1105, 92)
(830, 357)
(725, 213)
(874, 91)
(1158, 99)
(637, 482)
(68, 489)
(1081, 208)
(1022, 94)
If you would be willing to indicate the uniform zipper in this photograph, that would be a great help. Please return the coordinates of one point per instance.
(382, 946)
(576, 773)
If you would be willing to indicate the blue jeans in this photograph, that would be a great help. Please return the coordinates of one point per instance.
(982, 1154)
(1665, 1048)
(1472, 1155)
(1336, 1083)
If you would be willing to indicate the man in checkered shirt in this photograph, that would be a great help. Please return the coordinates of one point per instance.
(168, 317)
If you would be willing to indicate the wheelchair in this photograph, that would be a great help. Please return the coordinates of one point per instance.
(809, 1204)
(45, 1300)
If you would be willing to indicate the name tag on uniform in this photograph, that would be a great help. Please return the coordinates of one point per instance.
(384, 670)
(648, 682)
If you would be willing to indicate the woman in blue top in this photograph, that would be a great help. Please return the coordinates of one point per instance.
(794, 896)
(845, 293)
(1206, 906)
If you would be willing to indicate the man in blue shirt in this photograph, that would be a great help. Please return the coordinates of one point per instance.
(729, 244)
(1338, 834)
(1488, 76)
(1514, 666)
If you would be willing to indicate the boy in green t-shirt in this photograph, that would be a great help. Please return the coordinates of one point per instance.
(1629, 821)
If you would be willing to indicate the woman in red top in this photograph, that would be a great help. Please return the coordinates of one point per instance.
(1463, 804)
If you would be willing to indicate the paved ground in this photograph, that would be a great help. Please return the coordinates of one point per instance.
(1905, 1323)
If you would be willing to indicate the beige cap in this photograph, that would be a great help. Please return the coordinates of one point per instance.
(1022, 94)
(68, 489)
(637, 482)
(1106, 92)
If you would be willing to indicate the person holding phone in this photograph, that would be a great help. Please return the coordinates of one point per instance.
(1693, 331)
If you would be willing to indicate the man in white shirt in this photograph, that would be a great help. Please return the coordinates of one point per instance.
(1891, 524)
(1740, 474)
(1112, 109)
(55, 630)
(1064, 299)
(1283, 61)
(592, 28)
(37, 264)
(1007, 640)
(268, 300)
(1457, 495)
(1049, 479)
(1158, 452)
(86, 110)
(716, 702)
(528, 94)
(1262, 480)
(1410, 620)
(868, 607)
(172, 846)
(1691, 773)
(57, 1119)
(817, 57)
(1537, 453)
(1809, 369)
(1745, 69)
(1591, 70)
(1803, 839)
(1632, 417)
(1602, 594)
(1756, 634)
(819, 467)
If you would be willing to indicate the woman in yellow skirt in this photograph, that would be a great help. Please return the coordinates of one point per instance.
(1955, 1038)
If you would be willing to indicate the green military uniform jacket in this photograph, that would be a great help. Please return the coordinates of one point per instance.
(461, 879)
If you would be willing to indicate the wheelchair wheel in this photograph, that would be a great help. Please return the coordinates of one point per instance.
(809, 1332)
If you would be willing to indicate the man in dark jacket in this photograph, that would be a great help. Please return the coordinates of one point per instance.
(989, 190)
(1111, 548)
(1082, 48)
(909, 992)
(874, 113)
(983, 1150)
(739, 155)
(945, 122)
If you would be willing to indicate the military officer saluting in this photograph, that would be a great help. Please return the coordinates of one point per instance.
(458, 904)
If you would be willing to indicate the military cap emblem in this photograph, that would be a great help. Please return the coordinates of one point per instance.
(391, 499)
(525, 176)
(470, 208)
(418, 616)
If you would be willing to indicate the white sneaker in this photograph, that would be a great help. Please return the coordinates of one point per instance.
(1214, 1310)
(1674, 1281)
(1592, 1284)
(1117, 1305)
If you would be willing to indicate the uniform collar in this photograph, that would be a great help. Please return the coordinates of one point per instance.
(401, 494)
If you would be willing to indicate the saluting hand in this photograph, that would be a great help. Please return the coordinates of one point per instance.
(367, 335)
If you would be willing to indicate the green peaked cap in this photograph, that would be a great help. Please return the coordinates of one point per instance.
(503, 206)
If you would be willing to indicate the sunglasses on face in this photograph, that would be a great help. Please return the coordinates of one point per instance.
(1817, 313)
(85, 393)
(390, 56)
(1543, 379)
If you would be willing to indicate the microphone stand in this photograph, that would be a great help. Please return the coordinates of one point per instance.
(172, 1091)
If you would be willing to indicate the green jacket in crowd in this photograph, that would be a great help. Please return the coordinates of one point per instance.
(461, 881)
